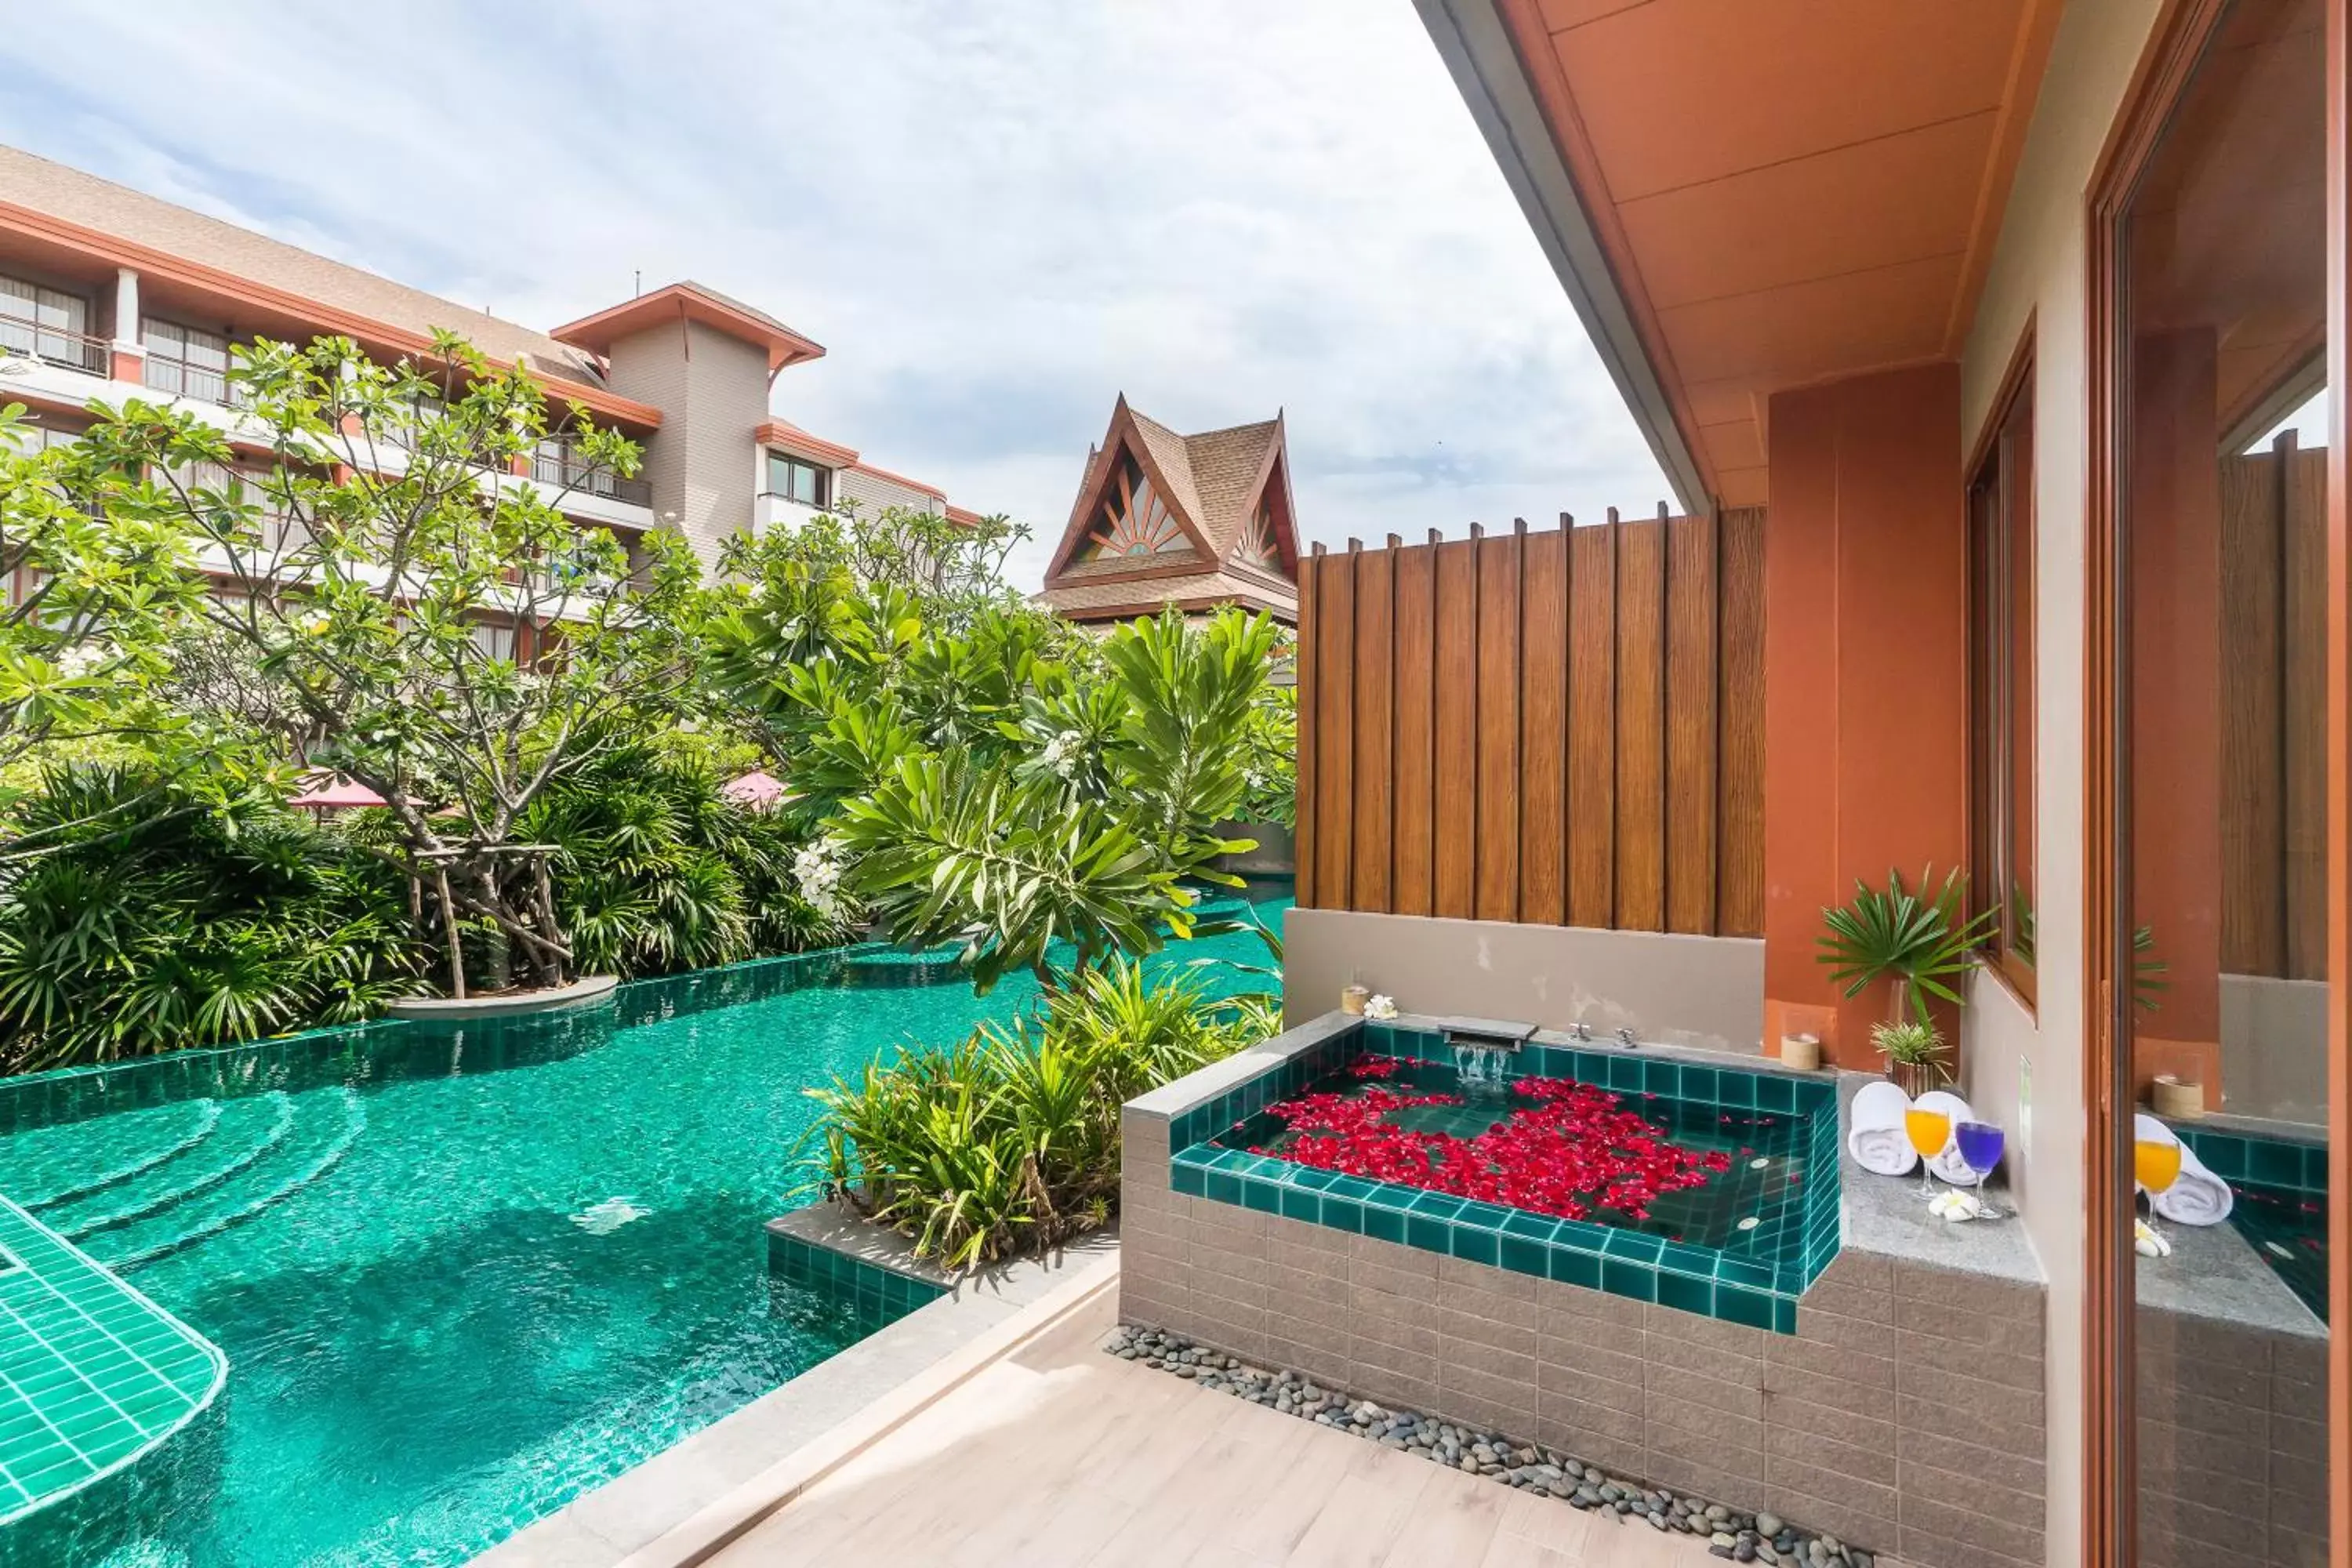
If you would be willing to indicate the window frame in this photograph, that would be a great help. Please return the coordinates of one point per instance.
(1997, 505)
(157, 356)
(821, 477)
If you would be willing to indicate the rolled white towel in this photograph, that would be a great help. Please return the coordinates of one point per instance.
(1948, 1166)
(1877, 1142)
(2197, 1196)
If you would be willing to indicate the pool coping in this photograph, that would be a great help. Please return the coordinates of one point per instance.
(685, 1502)
(1708, 1281)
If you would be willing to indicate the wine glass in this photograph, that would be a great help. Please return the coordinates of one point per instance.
(1980, 1145)
(1929, 1131)
(2156, 1164)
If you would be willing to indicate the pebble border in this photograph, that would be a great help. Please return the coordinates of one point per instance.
(1729, 1534)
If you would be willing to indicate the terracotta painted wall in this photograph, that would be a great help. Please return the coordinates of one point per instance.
(2175, 702)
(1865, 705)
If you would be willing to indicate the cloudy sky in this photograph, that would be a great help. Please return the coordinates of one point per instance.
(996, 217)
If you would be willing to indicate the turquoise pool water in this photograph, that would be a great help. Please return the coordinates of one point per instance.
(463, 1275)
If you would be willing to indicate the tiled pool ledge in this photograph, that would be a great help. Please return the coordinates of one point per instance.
(1756, 1292)
(922, 1321)
(1905, 1413)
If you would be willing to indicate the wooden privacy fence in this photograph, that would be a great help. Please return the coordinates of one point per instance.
(1557, 728)
(2273, 654)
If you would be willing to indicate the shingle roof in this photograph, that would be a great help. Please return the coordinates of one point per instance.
(1075, 599)
(1225, 465)
(60, 192)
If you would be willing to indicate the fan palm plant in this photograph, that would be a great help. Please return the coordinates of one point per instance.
(1918, 945)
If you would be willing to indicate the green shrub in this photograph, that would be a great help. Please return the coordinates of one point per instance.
(656, 873)
(1009, 1140)
(160, 920)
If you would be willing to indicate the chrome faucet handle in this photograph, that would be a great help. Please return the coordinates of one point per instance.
(1625, 1037)
(1581, 1031)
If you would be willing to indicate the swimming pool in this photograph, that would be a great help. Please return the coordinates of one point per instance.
(464, 1273)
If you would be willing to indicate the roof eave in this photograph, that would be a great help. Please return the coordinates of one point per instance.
(1475, 44)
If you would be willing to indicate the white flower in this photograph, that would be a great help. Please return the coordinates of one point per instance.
(2148, 1241)
(817, 869)
(1380, 1007)
(1061, 754)
(83, 659)
(1954, 1205)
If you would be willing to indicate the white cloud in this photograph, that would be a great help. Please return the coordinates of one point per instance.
(996, 217)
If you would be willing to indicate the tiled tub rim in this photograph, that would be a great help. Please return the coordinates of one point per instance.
(1642, 1268)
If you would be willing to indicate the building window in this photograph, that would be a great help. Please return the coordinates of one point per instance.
(186, 362)
(492, 640)
(47, 324)
(796, 480)
(2001, 686)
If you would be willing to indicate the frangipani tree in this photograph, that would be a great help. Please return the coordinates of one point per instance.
(89, 601)
(396, 602)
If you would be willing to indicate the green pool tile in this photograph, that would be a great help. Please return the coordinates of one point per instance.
(1699, 1085)
(1522, 1255)
(1224, 1187)
(1477, 1244)
(1635, 1281)
(2273, 1164)
(1737, 1304)
(1736, 1090)
(1583, 1234)
(1696, 1261)
(1343, 1214)
(96, 1374)
(1190, 1179)
(1262, 1196)
(1573, 1266)
(1530, 1226)
(1383, 1223)
(1443, 1206)
(1428, 1234)
(1633, 1245)
(1300, 1203)
(1685, 1293)
(1315, 1181)
(1662, 1077)
(1775, 1093)
(1625, 1074)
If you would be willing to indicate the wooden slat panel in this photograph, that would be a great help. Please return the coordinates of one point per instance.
(1416, 742)
(1499, 727)
(1690, 724)
(1543, 728)
(1335, 682)
(1310, 623)
(2253, 690)
(1640, 726)
(1375, 652)
(1740, 791)
(2305, 654)
(1592, 727)
(1456, 727)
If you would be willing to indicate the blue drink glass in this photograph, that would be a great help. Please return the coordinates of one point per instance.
(1981, 1144)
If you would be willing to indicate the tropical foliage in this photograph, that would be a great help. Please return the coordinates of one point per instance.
(433, 626)
(1919, 945)
(1009, 1140)
(159, 920)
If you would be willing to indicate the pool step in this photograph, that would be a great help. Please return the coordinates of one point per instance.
(43, 1166)
(245, 1130)
(324, 1134)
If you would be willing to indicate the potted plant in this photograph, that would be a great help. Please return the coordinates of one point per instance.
(1917, 1057)
(1916, 944)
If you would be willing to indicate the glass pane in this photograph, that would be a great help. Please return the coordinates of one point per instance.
(163, 338)
(2017, 675)
(2223, 885)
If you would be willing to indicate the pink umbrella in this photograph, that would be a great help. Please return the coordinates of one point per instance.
(757, 790)
(333, 792)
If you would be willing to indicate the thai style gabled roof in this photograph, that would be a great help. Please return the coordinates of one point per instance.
(1167, 518)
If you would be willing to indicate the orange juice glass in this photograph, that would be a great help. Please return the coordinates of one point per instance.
(2156, 1164)
(1929, 1131)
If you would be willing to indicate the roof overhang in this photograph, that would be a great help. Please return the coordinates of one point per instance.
(791, 437)
(278, 312)
(1742, 199)
(687, 302)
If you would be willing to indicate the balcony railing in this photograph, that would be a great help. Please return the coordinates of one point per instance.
(181, 379)
(54, 345)
(568, 472)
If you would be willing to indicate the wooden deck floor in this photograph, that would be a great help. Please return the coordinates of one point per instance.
(1060, 1457)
